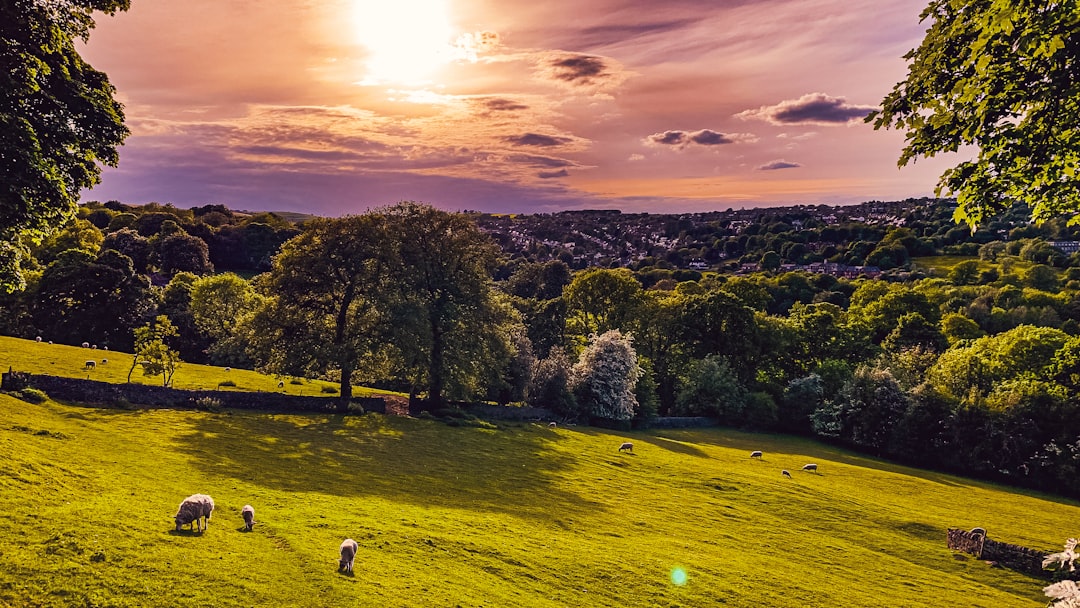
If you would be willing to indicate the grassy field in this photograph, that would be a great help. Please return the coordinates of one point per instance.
(70, 362)
(522, 515)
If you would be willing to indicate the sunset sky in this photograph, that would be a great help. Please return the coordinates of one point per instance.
(335, 106)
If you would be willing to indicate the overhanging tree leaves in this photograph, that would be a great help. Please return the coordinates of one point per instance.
(1003, 77)
(58, 121)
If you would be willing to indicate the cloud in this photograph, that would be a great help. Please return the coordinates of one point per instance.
(576, 70)
(810, 109)
(536, 139)
(539, 161)
(636, 157)
(778, 164)
(499, 104)
(703, 137)
(552, 174)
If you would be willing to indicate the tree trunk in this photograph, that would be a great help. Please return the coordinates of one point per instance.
(347, 364)
(435, 371)
(346, 386)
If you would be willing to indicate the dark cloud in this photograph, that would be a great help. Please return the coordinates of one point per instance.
(703, 137)
(539, 161)
(551, 174)
(668, 138)
(499, 104)
(583, 69)
(778, 164)
(812, 108)
(536, 139)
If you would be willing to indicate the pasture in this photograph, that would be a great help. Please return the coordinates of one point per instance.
(522, 515)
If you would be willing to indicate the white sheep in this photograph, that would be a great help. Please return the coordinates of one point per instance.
(785, 473)
(86, 345)
(348, 553)
(90, 364)
(104, 361)
(38, 338)
(810, 467)
(553, 424)
(104, 348)
(195, 510)
(281, 384)
(755, 454)
(228, 369)
(628, 447)
(248, 513)
(94, 347)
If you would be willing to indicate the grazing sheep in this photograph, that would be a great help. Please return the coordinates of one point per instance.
(810, 467)
(228, 369)
(94, 347)
(86, 345)
(90, 364)
(104, 348)
(38, 338)
(628, 447)
(553, 424)
(248, 513)
(348, 552)
(195, 510)
(104, 361)
(785, 473)
(281, 384)
(755, 454)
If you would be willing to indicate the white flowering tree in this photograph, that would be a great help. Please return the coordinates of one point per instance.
(1064, 594)
(605, 376)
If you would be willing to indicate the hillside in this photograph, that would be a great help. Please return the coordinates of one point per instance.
(524, 515)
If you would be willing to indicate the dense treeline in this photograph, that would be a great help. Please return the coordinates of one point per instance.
(972, 370)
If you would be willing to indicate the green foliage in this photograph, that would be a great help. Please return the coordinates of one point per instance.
(602, 299)
(710, 388)
(58, 121)
(151, 351)
(550, 385)
(999, 76)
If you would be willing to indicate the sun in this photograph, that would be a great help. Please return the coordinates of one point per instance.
(406, 40)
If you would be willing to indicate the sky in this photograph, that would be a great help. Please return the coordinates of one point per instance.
(333, 107)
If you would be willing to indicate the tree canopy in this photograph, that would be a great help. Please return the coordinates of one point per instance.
(58, 121)
(999, 76)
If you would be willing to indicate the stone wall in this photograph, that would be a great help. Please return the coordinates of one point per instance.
(142, 395)
(1014, 557)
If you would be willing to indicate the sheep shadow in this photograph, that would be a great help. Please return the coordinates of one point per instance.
(244, 530)
(346, 573)
(188, 533)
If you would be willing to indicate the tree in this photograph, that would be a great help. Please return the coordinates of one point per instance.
(601, 299)
(999, 76)
(324, 311)
(605, 376)
(87, 298)
(218, 305)
(711, 388)
(151, 352)
(58, 121)
(447, 319)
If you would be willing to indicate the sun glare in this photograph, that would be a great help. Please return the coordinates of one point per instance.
(406, 40)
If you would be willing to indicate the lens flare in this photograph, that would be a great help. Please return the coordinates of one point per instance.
(678, 575)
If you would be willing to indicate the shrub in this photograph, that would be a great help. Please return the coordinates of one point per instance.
(227, 383)
(604, 378)
(32, 395)
(330, 390)
(710, 388)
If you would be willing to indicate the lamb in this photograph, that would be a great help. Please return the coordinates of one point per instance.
(785, 473)
(810, 467)
(248, 513)
(195, 510)
(628, 447)
(755, 454)
(348, 552)
(90, 364)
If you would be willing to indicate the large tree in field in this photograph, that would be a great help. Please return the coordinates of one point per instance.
(326, 300)
(449, 322)
(1000, 76)
(58, 121)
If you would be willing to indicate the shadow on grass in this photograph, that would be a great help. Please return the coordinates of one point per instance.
(420, 462)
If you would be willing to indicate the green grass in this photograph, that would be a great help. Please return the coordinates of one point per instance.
(522, 515)
(70, 362)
